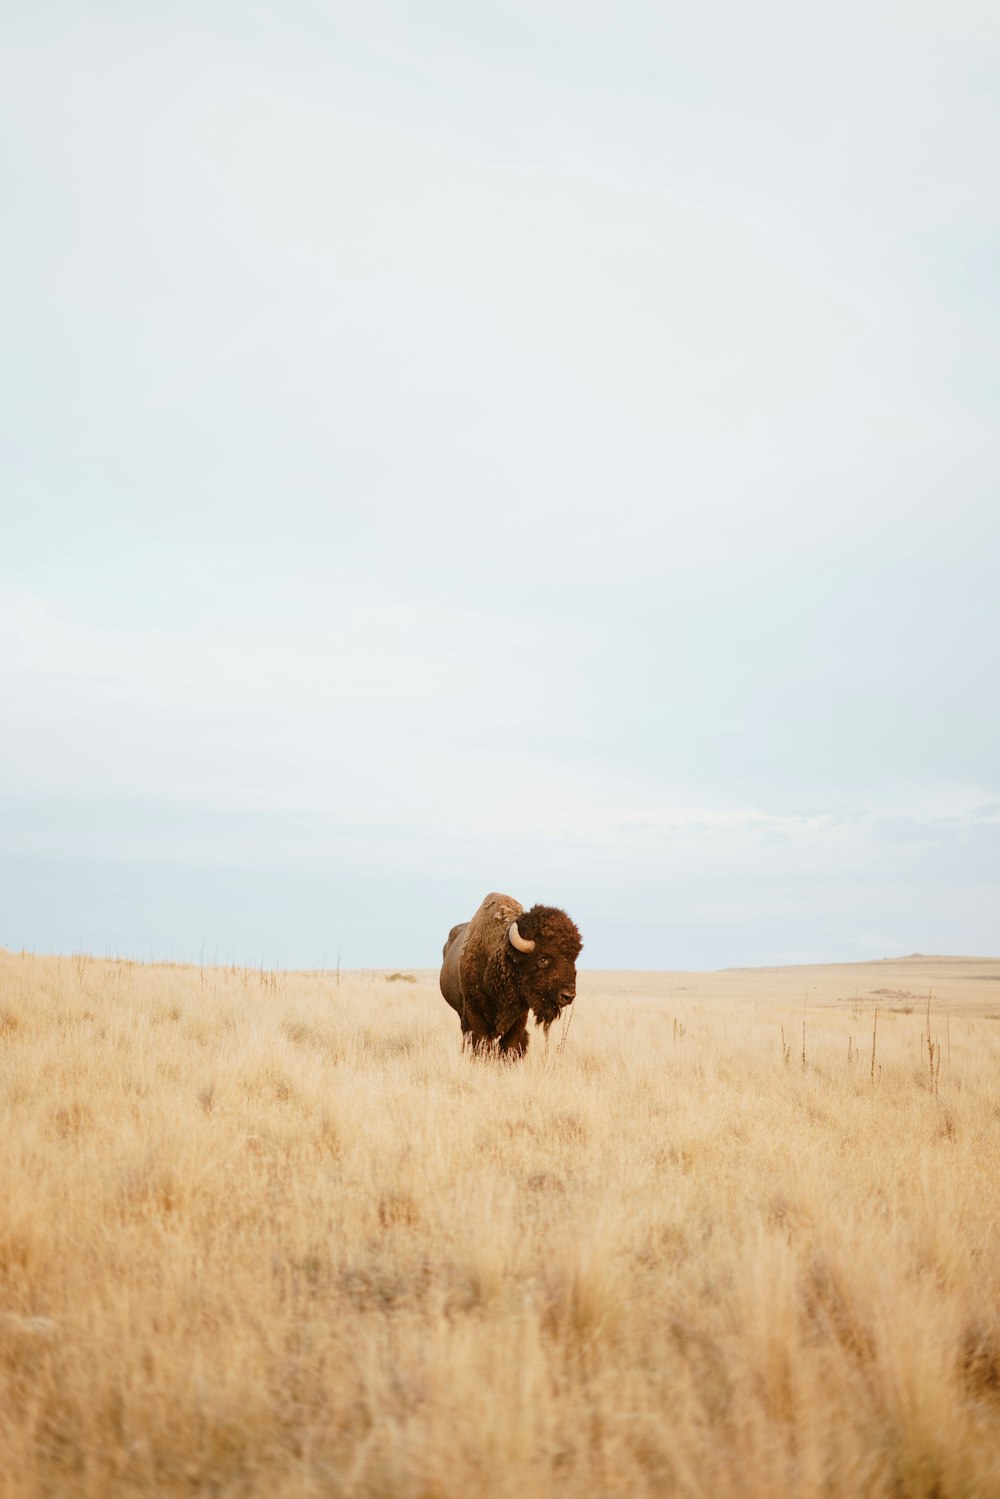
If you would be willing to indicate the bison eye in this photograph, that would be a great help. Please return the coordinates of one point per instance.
(543, 962)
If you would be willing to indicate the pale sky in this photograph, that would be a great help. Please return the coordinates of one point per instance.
(540, 447)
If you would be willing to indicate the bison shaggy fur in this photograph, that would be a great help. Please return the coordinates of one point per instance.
(494, 985)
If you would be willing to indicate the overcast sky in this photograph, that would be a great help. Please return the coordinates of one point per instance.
(547, 447)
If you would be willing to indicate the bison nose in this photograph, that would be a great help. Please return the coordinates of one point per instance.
(566, 997)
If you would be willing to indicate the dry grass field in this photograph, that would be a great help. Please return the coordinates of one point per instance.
(264, 1233)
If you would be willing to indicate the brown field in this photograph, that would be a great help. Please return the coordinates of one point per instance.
(264, 1233)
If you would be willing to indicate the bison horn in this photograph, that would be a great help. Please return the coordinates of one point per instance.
(516, 940)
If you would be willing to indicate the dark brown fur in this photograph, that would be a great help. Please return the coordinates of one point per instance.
(493, 988)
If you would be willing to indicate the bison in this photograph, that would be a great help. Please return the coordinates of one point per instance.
(504, 963)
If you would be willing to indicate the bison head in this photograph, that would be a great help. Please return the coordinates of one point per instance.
(543, 945)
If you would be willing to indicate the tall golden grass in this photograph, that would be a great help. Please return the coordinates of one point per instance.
(264, 1233)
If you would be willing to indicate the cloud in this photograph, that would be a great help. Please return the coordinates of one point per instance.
(502, 448)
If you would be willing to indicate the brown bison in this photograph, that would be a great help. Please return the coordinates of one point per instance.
(504, 963)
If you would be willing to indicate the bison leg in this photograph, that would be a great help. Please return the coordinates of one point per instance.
(514, 1042)
(474, 1033)
(475, 1041)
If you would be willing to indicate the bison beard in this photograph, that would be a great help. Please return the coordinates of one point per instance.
(505, 964)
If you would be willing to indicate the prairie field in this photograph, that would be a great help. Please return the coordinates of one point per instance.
(273, 1233)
